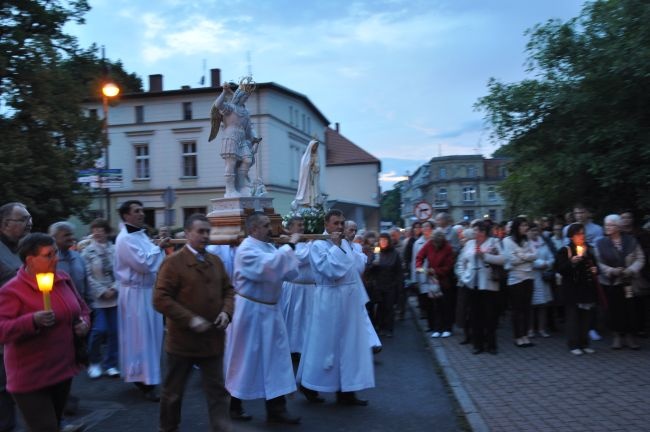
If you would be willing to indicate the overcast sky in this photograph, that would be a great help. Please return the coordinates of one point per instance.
(400, 76)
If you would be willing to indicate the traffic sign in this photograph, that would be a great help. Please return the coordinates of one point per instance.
(423, 210)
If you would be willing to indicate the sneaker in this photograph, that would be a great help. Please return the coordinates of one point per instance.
(531, 334)
(435, 334)
(576, 352)
(94, 371)
(544, 334)
(112, 372)
(588, 350)
(445, 334)
(594, 336)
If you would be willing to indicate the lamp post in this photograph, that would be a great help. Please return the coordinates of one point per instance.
(109, 90)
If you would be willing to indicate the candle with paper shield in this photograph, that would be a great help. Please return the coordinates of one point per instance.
(580, 250)
(45, 282)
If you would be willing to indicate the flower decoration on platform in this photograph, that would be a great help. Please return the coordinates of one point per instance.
(314, 218)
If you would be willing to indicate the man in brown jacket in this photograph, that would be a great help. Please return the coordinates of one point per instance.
(194, 293)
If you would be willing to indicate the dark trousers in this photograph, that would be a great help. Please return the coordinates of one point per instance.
(484, 313)
(7, 411)
(641, 305)
(171, 397)
(440, 312)
(104, 328)
(621, 310)
(462, 311)
(521, 295)
(385, 318)
(577, 326)
(276, 405)
(42, 409)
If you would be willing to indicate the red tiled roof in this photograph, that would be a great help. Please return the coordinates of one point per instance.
(342, 151)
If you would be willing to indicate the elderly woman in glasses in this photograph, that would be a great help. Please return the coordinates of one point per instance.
(39, 344)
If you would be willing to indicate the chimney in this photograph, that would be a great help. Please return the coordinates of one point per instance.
(338, 127)
(155, 83)
(185, 87)
(215, 78)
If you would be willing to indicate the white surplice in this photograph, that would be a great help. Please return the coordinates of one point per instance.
(336, 353)
(257, 358)
(140, 327)
(297, 299)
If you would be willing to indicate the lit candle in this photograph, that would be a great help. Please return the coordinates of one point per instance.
(580, 249)
(377, 250)
(45, 282)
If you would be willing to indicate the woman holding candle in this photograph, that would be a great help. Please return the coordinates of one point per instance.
(39, 347)
(620, 259)
(386, 273)
(577, 265)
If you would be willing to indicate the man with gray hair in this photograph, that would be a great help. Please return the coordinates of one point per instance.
(15, 223)
(70, 261)
(443, 221)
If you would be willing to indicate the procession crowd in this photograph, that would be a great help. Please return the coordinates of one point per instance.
(261, 321)
(542, 273)
(258, 321)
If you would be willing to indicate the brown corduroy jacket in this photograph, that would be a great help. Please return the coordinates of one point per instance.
(187, 287)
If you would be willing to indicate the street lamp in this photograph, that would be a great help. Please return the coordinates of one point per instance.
(109, 90)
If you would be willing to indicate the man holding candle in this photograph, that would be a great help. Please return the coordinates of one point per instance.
(15, 223)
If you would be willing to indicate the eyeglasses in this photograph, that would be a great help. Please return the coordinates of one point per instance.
(21, 220)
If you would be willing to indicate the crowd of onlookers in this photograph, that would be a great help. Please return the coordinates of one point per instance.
(548, 274)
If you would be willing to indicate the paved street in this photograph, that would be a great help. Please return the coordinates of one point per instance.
(410, 396)
(544, 388)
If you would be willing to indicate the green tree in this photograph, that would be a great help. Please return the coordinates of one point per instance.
(390, 208)
(579, 130)
(45, 136)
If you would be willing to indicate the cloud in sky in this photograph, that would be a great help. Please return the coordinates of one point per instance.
(400, 76)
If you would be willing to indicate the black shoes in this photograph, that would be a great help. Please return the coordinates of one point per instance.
(240, 415)
(282, 417)
(350, 399)
(477, 351)
(150, 392)
(311, 395)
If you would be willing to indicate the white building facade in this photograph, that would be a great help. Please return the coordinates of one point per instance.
(159, 139)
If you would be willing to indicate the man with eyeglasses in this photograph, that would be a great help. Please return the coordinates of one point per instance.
(15, 223)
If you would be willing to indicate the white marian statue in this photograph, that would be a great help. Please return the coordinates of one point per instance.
(238, 141)
(308, 194)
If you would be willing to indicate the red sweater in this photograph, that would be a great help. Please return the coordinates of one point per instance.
(37, 358)
(440, 260)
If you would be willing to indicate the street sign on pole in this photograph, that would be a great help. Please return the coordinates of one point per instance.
(423, 211)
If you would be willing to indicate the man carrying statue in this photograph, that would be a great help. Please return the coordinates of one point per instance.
(238, 140)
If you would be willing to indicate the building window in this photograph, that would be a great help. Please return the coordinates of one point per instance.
(308, 125)
(503, 171)
(491, 193)
(471, 171)
(187, 110)
(92, 113)
(441, 195)
(304, 123)
(469, 193)
(493, 214)
(442, 173)
(142, 161)
(139, 114)
(469, 215)
(290, 115)
(189, 159)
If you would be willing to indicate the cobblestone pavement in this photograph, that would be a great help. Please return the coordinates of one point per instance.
(545, 388)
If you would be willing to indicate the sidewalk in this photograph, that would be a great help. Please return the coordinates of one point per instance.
(544, 387)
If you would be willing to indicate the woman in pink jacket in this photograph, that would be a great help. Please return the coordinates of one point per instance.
(39, 345)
